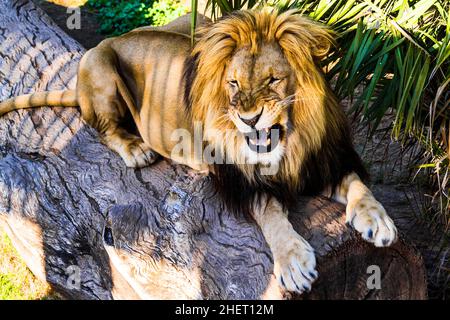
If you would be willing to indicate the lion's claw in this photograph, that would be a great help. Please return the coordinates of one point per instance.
(295, 265)
(140, 155)
(370, 219)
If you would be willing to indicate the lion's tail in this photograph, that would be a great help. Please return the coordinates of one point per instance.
(63, 98)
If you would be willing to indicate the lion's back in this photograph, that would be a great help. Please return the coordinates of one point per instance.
(140, 46)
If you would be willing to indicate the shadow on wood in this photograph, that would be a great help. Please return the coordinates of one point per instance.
(95, 229)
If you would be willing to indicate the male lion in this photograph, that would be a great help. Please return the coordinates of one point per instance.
(253, 83)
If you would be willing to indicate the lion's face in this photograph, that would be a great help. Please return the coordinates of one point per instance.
(260, 88)
(259, 91)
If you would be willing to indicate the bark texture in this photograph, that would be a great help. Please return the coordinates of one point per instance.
(95, 229)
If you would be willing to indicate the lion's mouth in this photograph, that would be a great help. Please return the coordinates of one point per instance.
(265, 140)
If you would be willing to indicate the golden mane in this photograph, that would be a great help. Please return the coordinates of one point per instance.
(303, 43)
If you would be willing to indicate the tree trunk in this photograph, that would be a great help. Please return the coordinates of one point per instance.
(65, 198)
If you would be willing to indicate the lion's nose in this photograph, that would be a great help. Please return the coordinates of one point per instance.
(252, 121)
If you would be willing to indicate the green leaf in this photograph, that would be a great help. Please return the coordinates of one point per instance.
(194, 6)
(417, 93)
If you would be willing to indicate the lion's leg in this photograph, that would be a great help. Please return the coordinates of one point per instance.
(294, 259)
(105, 102)
(364, 212)
(133, 150)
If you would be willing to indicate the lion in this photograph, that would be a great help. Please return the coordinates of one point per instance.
(253, 84)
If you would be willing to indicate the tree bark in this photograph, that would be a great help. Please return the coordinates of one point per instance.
(65, 198)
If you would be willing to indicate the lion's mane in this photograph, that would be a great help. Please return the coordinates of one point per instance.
(318, 153)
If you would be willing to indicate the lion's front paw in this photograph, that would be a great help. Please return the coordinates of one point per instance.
(139, 155)
(370, 219)
(294, 265)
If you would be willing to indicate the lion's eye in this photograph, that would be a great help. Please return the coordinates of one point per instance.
(233, 83)
(273, 80)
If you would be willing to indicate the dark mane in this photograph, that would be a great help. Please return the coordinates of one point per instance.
(335, 159)
(189, 74)
(239, 193)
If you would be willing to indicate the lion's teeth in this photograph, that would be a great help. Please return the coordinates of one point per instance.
(268, 141)
(267, 130)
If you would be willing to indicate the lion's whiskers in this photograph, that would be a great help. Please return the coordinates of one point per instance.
(287, 101)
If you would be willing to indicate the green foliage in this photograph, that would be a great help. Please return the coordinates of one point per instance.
(220, 7)
(163, 12)
(117, 17)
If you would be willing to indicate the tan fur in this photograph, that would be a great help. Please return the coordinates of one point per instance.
(146, 56)
(67, 98)
(365, 213)
(139, 72)
(294, 259)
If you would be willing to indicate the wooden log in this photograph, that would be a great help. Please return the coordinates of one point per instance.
(95, 229)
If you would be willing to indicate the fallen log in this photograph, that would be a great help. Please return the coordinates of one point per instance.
(95, 229)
